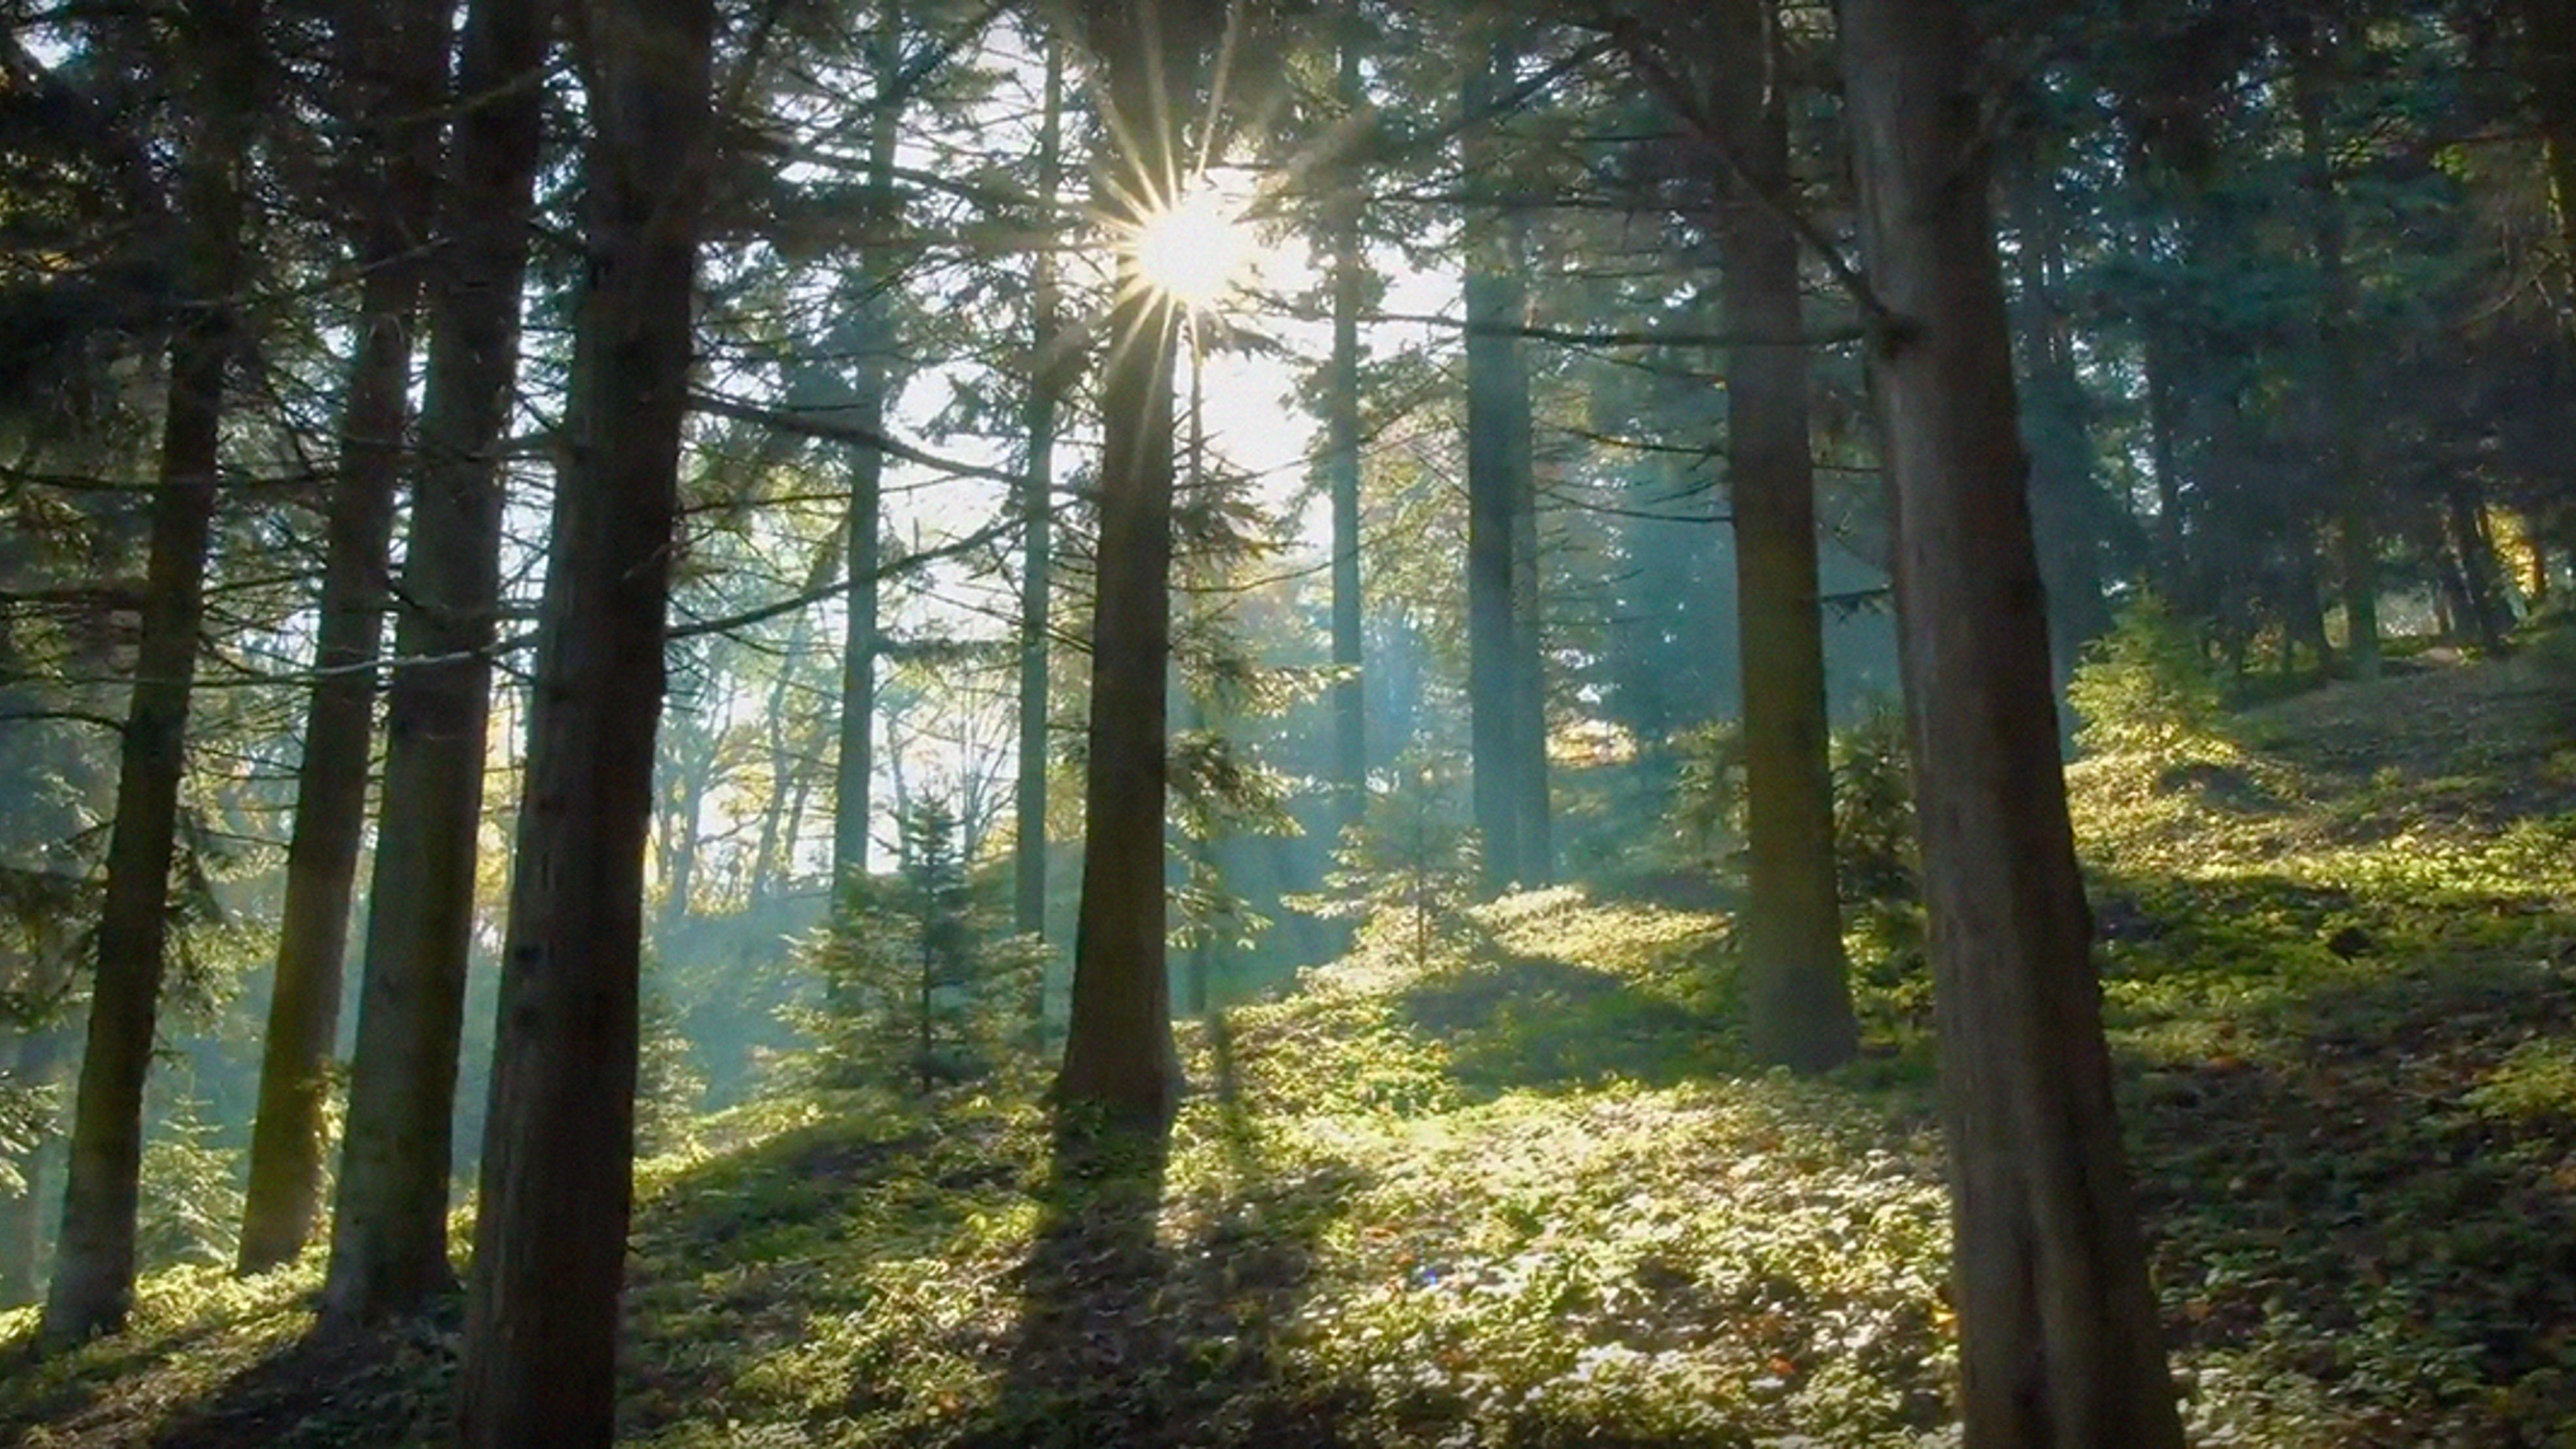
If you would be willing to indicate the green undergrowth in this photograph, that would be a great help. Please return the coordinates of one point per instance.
(1523, 1189)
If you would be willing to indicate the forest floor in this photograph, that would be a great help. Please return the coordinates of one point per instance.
(1524, 1192)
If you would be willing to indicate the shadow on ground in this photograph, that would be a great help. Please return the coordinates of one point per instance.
(1128, 1336)
(1512, 1021)
(385, 1386)
(2338, 1189)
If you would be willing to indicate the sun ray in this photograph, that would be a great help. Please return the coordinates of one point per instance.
(1195, 248)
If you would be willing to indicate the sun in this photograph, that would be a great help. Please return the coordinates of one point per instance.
(1196, 249)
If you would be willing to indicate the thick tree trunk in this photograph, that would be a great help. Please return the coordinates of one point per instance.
(1798, 996)
(93, 1282)
(397, 66)
(1037, 517)
(1342, 458)
(1497, 488)
(2338, 409)
(389, 1221)
(2059, 1343)
(550, 1242)
(1118, 1054)
(855, 766)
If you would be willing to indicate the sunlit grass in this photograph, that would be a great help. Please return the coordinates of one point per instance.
(1525, 1188)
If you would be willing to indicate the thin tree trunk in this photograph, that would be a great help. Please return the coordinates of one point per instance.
(2481, 579)
(2551, 60)
(2339, 408)
(776, 835)
(397, 62)
(1497, 406)
(2070, 562)
(1798, 995)
(854, 771)
(2059, 1342)
(680, 882)
(1529, 642)
(541, 1312)
(22, 1224)
(2172, 565)
(1118, 1052)
(2305, 620)
(93, 1282)
(389, 1221)
(1037, 512)
(1342, 455)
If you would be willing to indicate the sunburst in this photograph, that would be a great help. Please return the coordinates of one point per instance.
(1196, 249)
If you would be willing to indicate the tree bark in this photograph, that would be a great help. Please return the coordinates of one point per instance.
(1497, 451)
(855, 767)
(1798, 995)
(2059, 1343)
(93, 1282)
(389, 1221)
(539, 1362)
(396, 62)
(1118, 1053)
(1342, 457)
(1037, 517)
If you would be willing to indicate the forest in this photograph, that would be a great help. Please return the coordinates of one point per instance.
(1231, 724)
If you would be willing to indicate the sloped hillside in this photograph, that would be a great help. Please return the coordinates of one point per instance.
(1517, 1188)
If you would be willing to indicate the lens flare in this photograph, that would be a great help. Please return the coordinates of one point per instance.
(1195, 250)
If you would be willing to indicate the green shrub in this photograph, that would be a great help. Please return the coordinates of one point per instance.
(917, 990)
(2145, 687)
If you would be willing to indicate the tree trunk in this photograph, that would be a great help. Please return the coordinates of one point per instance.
(22, 1225)
(2305, 618)
(2172, 564)
(772, 855)
(93, 1282)
(2059, 1343)
(2338, 409)
(396, 60)
(389, 1222)
(539, 1362)
(680, 876)
(1497, 449)
(1798, 997)
(2481, 579)
(2070, 562)
(1342, 457)
(1118, 1052)
(1529, 641)
(1048, 357)
(855, 767)
(2550, 51)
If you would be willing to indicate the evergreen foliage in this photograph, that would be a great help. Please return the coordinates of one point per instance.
(918, 992)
